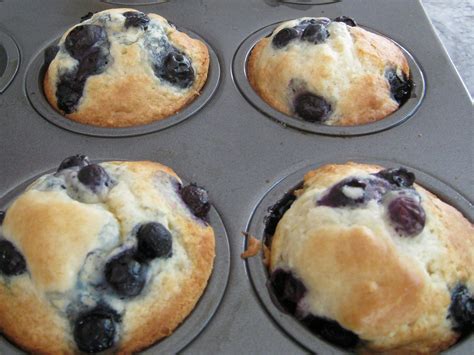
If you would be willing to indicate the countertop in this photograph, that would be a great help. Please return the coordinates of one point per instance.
(453, 21)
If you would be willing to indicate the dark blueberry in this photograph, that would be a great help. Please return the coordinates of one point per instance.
(316, 33)
(287, 290)
(311, 108)
(93, 63)
(2, 217)
(305, 23)
(336, 196)
(94, 176)
(50, 54)
(68, 93)
(78, 160)
(136, 19)
(349, 21)
(94, 331)
(82, 38)
(373, 189)
(176, 69)
(400, 177)
(399, 87)
(87, 16)
(197, 199)
(126, 275)
(331, 331)
(11, 261)
(462, 309)
(154, 241)
(282, 38)
(277, 211)
(407, 216)
(89, 45)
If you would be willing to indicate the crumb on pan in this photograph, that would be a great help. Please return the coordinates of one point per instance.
(253, 247)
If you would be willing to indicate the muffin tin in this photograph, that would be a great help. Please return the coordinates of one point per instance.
(235, 150)
(9, 60)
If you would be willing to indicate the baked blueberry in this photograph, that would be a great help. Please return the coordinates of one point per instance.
(461, 310)
(315, 33)
(282, 38)
(331, 331)
(11, 261)
(349, 21)
(68, 93)
(407, 215)
(2, 217)
(94, 331)
(354, 191)
(87, 16)
(276, 212)
(82, 38)
(287, 289)
(400, 87)
(78, 160)
(348, 192)
(94, 62)
(176, 69)
(154, 241)
(94, 176)
(197, 199)
(311, 108)
(50, 54)
(89, 45)
(125, 274)
(136, 19)
(400, 177)
(322, 20)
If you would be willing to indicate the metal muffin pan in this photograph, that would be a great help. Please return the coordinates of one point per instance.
(239, 71)
(258, 272)
(34, 89)
(9, 60)
(204, 309)
(234, 150)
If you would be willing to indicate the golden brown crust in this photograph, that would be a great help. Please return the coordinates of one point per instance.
(32, 305)
(128, 93)
(348, 71)
(35, 326)
(392, 291)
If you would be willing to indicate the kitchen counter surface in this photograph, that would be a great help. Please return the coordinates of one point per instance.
(454, 21)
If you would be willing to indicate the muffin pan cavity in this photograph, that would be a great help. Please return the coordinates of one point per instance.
(239, 68)
(207, 304)
(34, 90)
(278, 195)
(9, 60)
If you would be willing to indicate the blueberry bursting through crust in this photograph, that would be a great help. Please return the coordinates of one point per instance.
(407, 217)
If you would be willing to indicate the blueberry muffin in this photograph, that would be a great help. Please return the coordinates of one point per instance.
(372, 262)
(121, 68)
(330, 72)
(102, 256)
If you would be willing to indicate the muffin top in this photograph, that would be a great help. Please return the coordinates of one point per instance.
(102, 256)
(331, 72)
(121, 68)
(367, 258)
